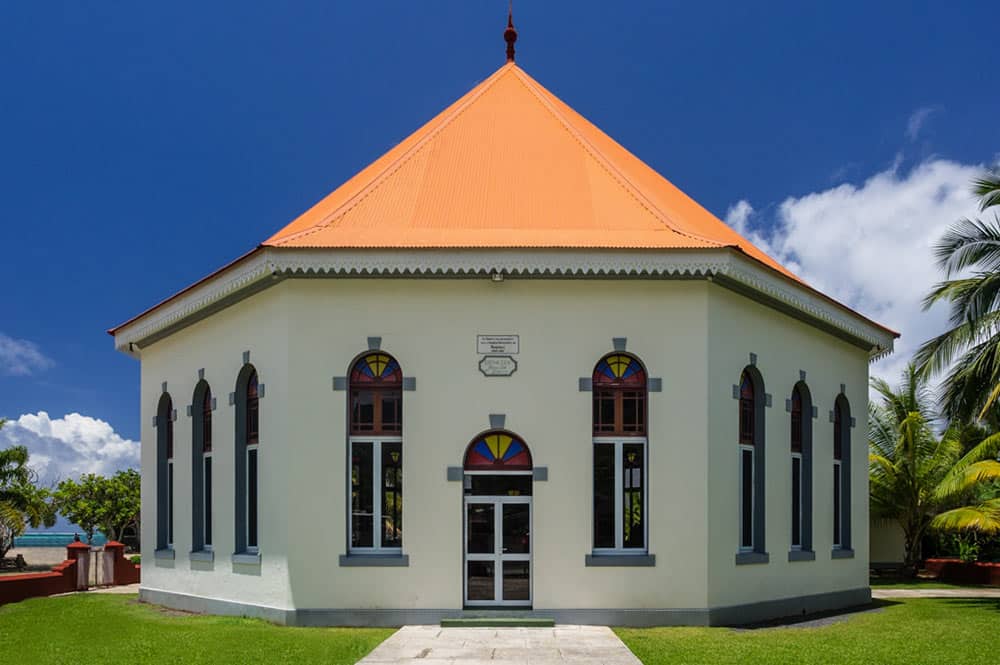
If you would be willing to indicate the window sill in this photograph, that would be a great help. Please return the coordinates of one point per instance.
(841, 553)
(202, 555)
(750, 558)
(801, 555)
(619, 560)
(251, 558)
(375, 560)
(166, 554)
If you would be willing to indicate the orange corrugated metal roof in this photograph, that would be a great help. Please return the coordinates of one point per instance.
(509, 165)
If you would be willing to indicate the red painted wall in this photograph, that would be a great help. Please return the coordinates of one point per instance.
(956, 571)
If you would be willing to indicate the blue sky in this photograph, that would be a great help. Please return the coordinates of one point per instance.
(143, 145)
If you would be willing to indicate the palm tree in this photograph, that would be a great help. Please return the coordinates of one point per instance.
(921, 479)
(970, 350)
(21, 501)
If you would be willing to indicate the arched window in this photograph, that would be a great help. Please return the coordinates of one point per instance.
(376, 447)
(751, 465)
(247, 460)
(801, 458)
(165, 473)
(619, 438)
(841, 474)
(201, 468)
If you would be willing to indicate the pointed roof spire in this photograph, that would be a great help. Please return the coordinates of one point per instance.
(510, 34)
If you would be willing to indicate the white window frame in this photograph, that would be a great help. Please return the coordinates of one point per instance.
(838, 469)
(377, 526)
(797, 499)
(619, 442)
(206, 500)
(753, 498)
(251, 549)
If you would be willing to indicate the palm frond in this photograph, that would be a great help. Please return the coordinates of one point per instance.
(961, 480)
(987, 188)
(984, 518)
(969, 242)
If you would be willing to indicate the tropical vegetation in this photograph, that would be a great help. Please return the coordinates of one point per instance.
(969, 351)
(95, 502)
(923, 479)
(22, 502)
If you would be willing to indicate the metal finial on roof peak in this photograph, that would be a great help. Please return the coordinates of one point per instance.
(510, 34)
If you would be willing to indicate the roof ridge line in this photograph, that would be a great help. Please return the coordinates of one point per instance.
(613, 170)
(396, 164)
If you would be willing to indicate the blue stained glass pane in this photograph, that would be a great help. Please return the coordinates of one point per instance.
(390, 368)
(630, 370)
(484, 450)
(513, 449)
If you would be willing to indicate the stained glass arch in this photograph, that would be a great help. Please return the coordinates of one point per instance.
(619, 369)
(376, 368)
(497, 450)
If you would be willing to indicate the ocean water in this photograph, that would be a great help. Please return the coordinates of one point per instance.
(53, 539)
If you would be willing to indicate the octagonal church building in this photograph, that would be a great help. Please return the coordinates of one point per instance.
(507, 367)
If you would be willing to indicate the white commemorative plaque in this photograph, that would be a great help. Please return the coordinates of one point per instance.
(498, 344)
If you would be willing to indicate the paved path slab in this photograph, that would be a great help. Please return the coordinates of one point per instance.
(433, 645)
(936, 593)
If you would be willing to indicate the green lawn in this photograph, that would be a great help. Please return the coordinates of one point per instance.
(943, 630)
(105, 628)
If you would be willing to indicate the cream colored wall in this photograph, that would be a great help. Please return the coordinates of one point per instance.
(739, 326)
(258, 324)
(888, 544)
(303, 332)
(430, 326)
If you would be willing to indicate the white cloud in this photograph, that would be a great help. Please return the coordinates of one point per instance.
(69, 446)
(19, 357)
(870, 246)
(917, 121)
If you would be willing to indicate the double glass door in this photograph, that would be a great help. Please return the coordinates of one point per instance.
(498, 550)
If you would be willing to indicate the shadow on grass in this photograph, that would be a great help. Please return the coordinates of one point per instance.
(973, 603)
(820, 619)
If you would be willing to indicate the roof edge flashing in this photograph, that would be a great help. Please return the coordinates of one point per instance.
(266, 266)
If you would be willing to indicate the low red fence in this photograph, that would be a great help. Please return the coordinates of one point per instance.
(70, 575)
(125, 572)
(956, 571)
(62, 579)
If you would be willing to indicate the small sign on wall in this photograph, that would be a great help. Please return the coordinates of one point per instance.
(502, 344)
(497, 365)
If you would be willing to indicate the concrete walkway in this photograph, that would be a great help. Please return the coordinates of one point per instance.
(888, 594)
(433, 645)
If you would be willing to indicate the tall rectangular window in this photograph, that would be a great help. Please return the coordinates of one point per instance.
(797, 501)
(746, 497)
(620, 495)
(837, 526)
(376, 495)
(252, 497)
(208, 501)
(392, 494)
(604, 495)
(170, 503)
(376, 449)
(633, 504)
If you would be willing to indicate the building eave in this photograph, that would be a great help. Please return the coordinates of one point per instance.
(730, 268)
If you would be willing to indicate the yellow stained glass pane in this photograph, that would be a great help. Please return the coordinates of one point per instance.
(504, 445)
